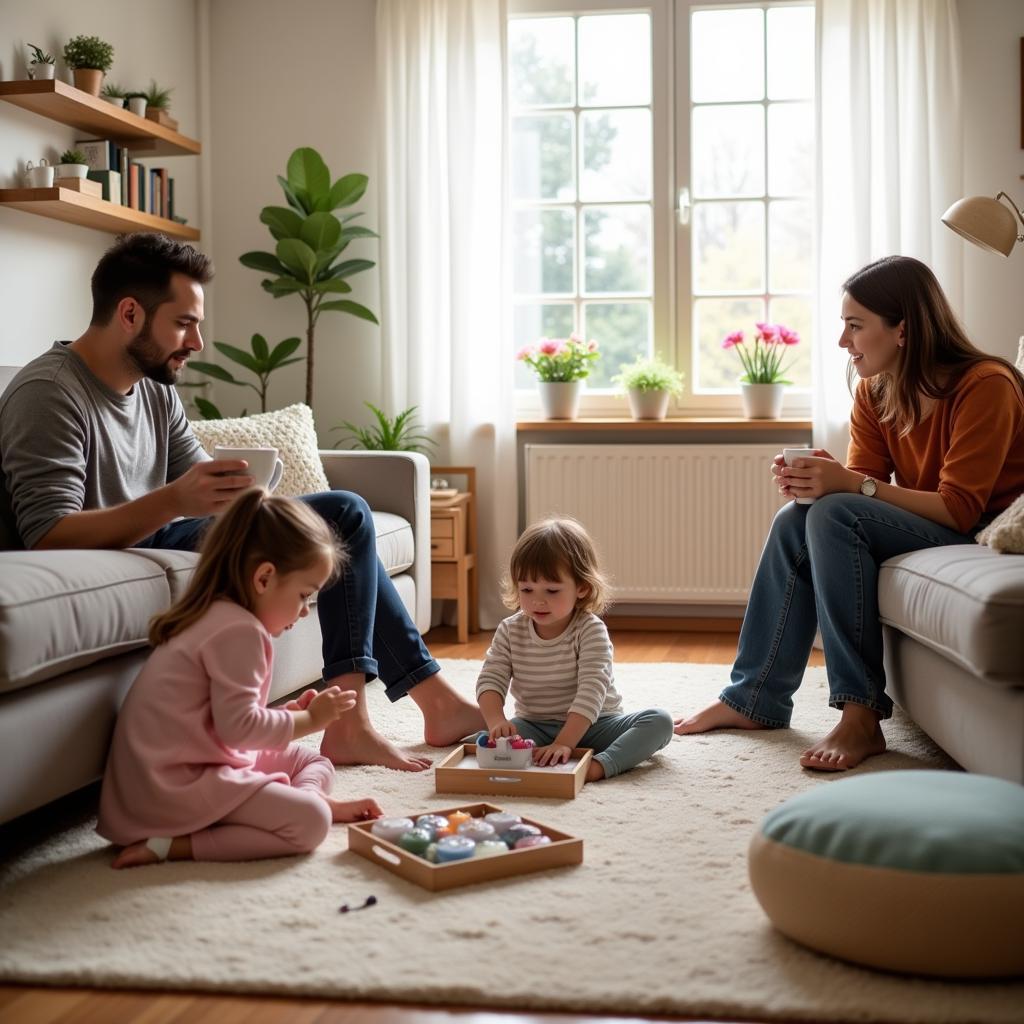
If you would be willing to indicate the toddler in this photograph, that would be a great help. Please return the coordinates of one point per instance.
(199, 767)
(555, 656)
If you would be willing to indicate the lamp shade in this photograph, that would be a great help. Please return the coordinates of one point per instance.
(985, 222)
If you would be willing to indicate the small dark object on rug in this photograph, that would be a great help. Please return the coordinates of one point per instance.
(370, 901)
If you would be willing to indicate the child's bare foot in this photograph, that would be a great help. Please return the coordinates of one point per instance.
(135, 856)
(857, 737)
(354, 810)
(717, 716)
(595, 771)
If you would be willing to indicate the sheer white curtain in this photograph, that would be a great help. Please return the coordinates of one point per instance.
(443, 240)
(889, 163)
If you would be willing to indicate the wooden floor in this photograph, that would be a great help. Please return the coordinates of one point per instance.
(33, 1005)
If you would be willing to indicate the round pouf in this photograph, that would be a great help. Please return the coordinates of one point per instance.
(915, 871)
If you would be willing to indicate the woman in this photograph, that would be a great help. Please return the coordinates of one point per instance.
(948, 421)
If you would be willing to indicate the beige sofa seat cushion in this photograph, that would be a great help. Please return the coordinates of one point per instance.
(964, 601)
(62, 610)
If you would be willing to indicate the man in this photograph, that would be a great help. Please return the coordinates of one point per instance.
(96, 453)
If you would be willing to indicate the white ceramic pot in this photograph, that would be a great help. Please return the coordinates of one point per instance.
(71, 171)
(762, 401)
(40, 72)
(117, 101)
(648, 405)
(39, 176)
(137, 105)
(559, 400)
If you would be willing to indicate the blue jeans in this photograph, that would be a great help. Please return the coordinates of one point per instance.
(619, 742)
(819, 568)
(364, 625)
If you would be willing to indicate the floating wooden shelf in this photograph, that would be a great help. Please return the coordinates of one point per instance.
(678, 425)
(64, 103)
(90, 212)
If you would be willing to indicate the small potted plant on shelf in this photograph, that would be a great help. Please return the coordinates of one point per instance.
(41, 65)
(562, 366)
(113, 93)
(158, 100)
(763, 384)
(89, 58)
(649, 384)
(137, 103)
(73, 164)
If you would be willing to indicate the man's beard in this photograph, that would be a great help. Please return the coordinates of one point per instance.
(144, 353)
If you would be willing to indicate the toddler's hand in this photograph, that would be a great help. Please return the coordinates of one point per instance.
(301, 702)
(365, 809)
(553, 753)
(330, 704)
(505, 728)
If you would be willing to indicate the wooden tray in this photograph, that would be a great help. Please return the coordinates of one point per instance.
(561, 852)
(457, 773)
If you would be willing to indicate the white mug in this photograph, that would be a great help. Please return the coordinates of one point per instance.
(39, 176)
(264, 466)
(791, 455)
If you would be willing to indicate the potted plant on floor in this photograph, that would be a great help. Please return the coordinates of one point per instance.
(388, 435)
(649, 384)
(158, 101)
(89, 58)
(42, 65)
(561, 366)
(73, 164)
(113, 93)
(763, 384)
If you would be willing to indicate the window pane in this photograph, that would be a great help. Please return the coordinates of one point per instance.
(728, 247)
(790, 53)
(726, 56)
(623, 332)
(533, 321)
(728, 151)
(716, 367)
(789, 246)
(540, 56)
(615, 59)
(544, 244)
(616, 155)
(790, 149)
(542, 163)
(795, 313)
(617, 249)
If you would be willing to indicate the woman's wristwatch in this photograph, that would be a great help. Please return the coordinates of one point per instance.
(868, 487)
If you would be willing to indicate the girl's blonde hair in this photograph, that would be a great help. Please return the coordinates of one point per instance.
(552, 547)
(257, 528)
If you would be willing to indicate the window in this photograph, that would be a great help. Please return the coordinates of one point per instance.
(661, 183)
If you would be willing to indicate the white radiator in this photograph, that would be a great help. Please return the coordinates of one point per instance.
(673, 522)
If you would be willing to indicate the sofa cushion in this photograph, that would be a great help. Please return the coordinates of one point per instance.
(62, 610)
(964, 601)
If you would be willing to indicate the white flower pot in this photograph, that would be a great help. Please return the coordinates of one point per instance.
(648, 405)
(117, 101)
(559, 400)
(71, 171)
(137, 105)
(40, 176)
(762, 401)
(39, 72)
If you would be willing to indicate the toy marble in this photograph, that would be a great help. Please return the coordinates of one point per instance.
(504, 752)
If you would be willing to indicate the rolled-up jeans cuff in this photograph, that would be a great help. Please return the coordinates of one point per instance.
(368, 666)
(772, 723)
(398, 689)
(884, 710)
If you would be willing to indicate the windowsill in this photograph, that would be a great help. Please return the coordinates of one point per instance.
(672, 425)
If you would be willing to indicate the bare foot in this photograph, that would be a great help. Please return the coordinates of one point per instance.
(447, 716)
(354, 810)
(857, 736)
(717, 716)
(344, 745)
(595, 771)
(135, 856)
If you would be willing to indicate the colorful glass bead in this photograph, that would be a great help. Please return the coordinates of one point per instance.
(456, 818)
(490, 848)
(391, 829)
(502, 820)
(436, 824)
(454, 848)
(528, 841)
(477, 830)
(516, 832)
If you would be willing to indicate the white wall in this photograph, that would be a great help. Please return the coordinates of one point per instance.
(285, 76)
(991, 31)
(45, 265)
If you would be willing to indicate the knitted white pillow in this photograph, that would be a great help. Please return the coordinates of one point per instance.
(290, 431)
(1006, 532)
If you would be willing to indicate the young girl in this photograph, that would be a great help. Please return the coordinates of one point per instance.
(948, 421)
(555, 656)
(200, 768)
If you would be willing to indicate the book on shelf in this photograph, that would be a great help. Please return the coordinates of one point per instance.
(111, 184)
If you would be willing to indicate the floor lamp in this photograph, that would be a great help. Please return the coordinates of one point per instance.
(986, 222)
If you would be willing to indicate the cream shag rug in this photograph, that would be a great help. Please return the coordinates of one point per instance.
(658, 919)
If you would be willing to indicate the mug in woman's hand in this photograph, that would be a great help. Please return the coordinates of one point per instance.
(265, 467)
(791, 455)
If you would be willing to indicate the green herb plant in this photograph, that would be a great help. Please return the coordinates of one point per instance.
(88, 52)
(114, 92)
(73, 156)
(156, 97)
(387, 435)
(645, 374)
(39, 56)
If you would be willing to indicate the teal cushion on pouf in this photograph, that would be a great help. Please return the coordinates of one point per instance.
(912, 871)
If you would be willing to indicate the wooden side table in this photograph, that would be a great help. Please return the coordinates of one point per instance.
(453, 550)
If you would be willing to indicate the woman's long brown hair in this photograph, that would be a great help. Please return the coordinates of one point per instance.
(257, 528)
(937, 351)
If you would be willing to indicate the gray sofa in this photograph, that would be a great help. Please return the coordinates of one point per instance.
(73, 628)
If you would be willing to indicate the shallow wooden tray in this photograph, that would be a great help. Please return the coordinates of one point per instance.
(458, 773)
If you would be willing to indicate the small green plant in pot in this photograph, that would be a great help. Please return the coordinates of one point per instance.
(73, 164)
(113, 93)
(649, 384)
(41, 65)
(136, 102)
(387, 435)
(90, 58)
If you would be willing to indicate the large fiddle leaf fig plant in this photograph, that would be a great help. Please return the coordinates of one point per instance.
(310, 240)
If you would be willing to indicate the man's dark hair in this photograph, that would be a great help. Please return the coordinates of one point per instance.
(139, 266)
